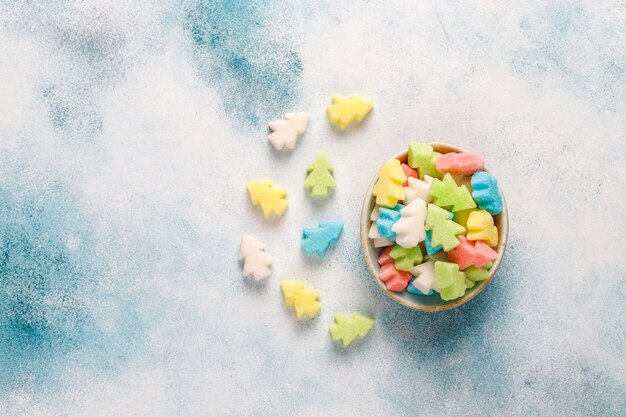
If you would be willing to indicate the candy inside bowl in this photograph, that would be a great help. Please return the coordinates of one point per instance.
(434, 226)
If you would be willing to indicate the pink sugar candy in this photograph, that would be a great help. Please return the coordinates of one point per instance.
(470, 253)
(394, 280)
(464, 163)
(409, 172)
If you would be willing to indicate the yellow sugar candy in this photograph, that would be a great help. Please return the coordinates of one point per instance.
(271, 199)
(480, 227)
(344, 110)
(388, 188)
(461, 217)
(304, 300)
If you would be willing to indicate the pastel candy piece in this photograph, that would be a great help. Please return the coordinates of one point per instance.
(413, 290)
(345, 111)
(406, 258)
(450, 280)
(394, 279)
(388, 188)
(417, 188)
(486, 193)
(271, 199)
(409, 173)
(256, 261)
(431, 250)
(285, 133)
(410, 229)
(385, 257)
(423, 158)
(461, 216)
(424, 278)
(303, 299)
(387, 218)
(472, 253)
(469, 283)
(373, 232)
(320, 176)
(463, 163)
(475, 274)
(480, 227)
(318, 240)
(444, 230)
(447, 193)
(347, 328)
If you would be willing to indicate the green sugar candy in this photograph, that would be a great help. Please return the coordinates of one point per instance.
(347, 327)
(406, 258)
(320, 179)
(423, 158)
(447, 193)
(444, 231)
(476, 274)
(450, 280)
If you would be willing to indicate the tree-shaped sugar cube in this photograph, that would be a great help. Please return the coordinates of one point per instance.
(480, 227)
(444, 231)
(394, 279)
(486, 193)
(417, 188)
(285, 133)
(386, 220)
(450, 280)
(424, 281)
(346, 328)
(304, 300)
(388, 188)
(256, 261)
(424, 159)
(373, 233)
(317, 240)
(447, 193)
(272, 199)
(410, 228)
(320, 179)
(468, 253)
(344, 110)
(406, 258)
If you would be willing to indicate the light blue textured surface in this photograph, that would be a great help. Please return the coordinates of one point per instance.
(128, 131)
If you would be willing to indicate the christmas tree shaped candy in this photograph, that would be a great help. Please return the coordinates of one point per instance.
(480, 227)
(444, 231)
(317, 240)
(447, 193)
(272, 199)
(344, 110)
(410, 228)
(285, 133)
(406, 258)
(303, 299)
(424, 158)
(450, 280)
(256, 261)
(320, 179)
(388, 188)
(347, 328)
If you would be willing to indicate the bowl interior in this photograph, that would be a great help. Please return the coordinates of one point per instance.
(432, 302)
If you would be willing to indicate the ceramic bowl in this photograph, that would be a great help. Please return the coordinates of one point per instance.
(433, 302)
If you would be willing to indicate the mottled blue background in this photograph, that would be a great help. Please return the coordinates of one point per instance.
(127, 132)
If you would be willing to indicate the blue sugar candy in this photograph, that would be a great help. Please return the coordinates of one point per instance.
(429, 249)
(414, 290)
(485, 192)
(386, 221)
(317, 240)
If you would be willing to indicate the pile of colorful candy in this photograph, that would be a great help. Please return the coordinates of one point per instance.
(315, 240)
(438, 233)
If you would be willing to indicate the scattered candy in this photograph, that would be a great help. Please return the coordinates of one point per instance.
(422, 157)
(304, 300)
(256, 261)
(387, 218)
(388, 188)
(464, 163)
(472, 253)
(394, 279)
(486, 193)
(317, 240)
(320, 178)
(409, 229)
(447, 193)
(480, 227)
(406, 258)
(272, 199)
(373, 232)
(344, 110)
(450, 280)
(286, 132)
(424, 282)
(444, 230)
(417, 188)
(347, 327)
(409, 173)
